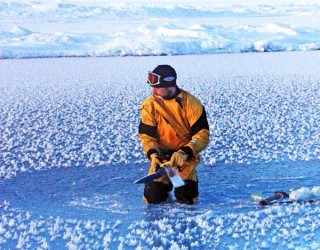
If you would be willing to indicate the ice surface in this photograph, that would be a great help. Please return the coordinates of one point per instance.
(69, 153)
(104, 28)
(97, 207)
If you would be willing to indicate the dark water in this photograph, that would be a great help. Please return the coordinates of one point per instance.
(109, 192)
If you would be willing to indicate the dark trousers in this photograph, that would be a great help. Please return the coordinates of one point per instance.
(157, 192)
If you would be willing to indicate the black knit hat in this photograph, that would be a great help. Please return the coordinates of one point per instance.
(167, 74)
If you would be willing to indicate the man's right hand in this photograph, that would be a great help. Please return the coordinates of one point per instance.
(155, 163)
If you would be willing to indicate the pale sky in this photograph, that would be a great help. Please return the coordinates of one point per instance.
(184, 2)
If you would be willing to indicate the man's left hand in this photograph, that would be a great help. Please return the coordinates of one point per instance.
(178, 159)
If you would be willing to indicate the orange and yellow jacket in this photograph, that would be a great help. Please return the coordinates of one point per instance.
(169, 125)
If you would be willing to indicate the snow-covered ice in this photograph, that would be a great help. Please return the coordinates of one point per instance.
(109, 28)
(70, 153)
(69, 149)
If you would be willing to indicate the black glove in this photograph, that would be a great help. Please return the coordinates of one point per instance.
(155, 163)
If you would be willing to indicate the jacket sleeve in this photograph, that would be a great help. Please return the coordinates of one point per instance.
(200, 132)
(148, 130)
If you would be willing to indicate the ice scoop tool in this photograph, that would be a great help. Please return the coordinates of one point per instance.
(172, 172)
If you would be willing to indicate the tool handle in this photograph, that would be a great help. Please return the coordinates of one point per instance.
(278, 195)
